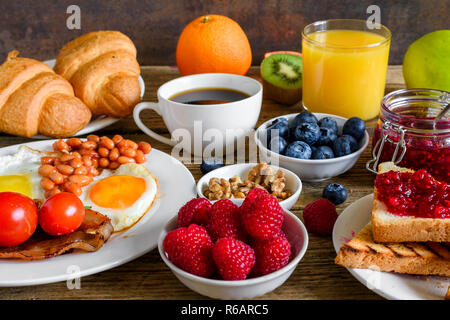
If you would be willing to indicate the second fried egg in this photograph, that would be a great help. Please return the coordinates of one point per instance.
(124, 195)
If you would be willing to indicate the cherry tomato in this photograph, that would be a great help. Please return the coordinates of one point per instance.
(18, 218)
(61, 214)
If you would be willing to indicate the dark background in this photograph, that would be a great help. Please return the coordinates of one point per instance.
(38, 28)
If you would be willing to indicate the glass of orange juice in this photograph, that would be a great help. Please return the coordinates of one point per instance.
(344, 67)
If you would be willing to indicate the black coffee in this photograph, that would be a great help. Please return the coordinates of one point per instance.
(209, 96)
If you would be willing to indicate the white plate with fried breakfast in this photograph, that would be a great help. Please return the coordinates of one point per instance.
(389, 285)
(161, 184)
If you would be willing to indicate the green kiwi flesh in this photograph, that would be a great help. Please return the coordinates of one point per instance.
(283, 70)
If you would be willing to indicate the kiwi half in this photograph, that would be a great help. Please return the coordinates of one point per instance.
(282, 77)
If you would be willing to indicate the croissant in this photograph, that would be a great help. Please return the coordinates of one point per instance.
(34, 99)
(102, 68)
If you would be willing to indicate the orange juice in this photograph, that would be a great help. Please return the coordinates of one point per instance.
(344, 72)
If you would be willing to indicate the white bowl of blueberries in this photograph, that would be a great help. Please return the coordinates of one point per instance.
(315, 146)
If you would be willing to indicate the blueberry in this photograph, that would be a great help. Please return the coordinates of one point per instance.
(303, 118)
(326, 136)
(329, 122)
(353, 143)
(280, 128)
(341, 147)
(210, 164)
(322, 152)
(307, 132)
(354, 127)
(280, 120)
(335, 192)
(299, 150)
(277, 144)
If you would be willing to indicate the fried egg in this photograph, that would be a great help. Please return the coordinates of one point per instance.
(19, 172)
(124, 195)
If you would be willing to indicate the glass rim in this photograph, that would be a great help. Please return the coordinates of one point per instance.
(324, 45)
(435, 95)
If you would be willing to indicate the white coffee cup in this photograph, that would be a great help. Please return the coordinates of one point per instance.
(232, 119)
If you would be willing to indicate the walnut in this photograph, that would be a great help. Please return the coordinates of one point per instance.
(260, 176)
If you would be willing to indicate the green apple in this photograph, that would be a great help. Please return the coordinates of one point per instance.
(427, 62)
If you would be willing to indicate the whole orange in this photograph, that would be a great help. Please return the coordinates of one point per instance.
(213, 43)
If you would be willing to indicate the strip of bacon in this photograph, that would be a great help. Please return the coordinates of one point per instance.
(92, 234)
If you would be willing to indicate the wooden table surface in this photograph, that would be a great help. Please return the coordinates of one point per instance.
(147, 277)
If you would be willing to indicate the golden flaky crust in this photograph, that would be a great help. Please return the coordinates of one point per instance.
(388, 227)
(426, 258)
(103, 70)
(34, 99)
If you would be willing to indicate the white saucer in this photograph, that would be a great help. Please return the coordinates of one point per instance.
(387, 284)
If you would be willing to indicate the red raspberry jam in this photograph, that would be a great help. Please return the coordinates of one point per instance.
(414, 194)
(427, 144)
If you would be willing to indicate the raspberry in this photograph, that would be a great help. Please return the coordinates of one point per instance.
(191, 250)
(319, 217)
(252, 196)
(224, 221)
(234, 259)
(272, 254)
(195, 211)
(263, 218)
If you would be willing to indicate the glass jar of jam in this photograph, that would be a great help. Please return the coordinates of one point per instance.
(407, 134)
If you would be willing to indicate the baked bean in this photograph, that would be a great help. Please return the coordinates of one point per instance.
(122, 143)
(88, 152)
(81, 170)
(114, 165)
(51, 193)
(140, 156)
(103, 162)
(127, 152)
(106, 143)
(89, 145)
(76, 163)
(87, 161)
(131, 144)
(103, 152)
(47, 184)
(46, 170)
(72, 188)
(57, 178)
(94, 163)
(124, 160)
(74, 142)
(114, 154)
(93, 172)
(48, 160)
(117, 138)
(145, 147)
(93, 137)
(76, 155)
(60, 145)
(66, 157)
(80, 180)
(65, 169)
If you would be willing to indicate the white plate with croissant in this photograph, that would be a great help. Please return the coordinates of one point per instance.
(99, 122)
(94, 81)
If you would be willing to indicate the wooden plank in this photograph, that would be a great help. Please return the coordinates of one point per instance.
(316, 277)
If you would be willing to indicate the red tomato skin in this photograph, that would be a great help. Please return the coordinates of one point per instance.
(18, 218)
(61, 214)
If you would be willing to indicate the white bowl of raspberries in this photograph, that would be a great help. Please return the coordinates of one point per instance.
(224, 251)
(315, 146)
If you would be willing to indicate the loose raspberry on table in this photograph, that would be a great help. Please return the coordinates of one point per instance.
(224, 221)
(263, 218)
(271, 255)
(191, 250)
(234, 259)
(195, 211)
(319, 216)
